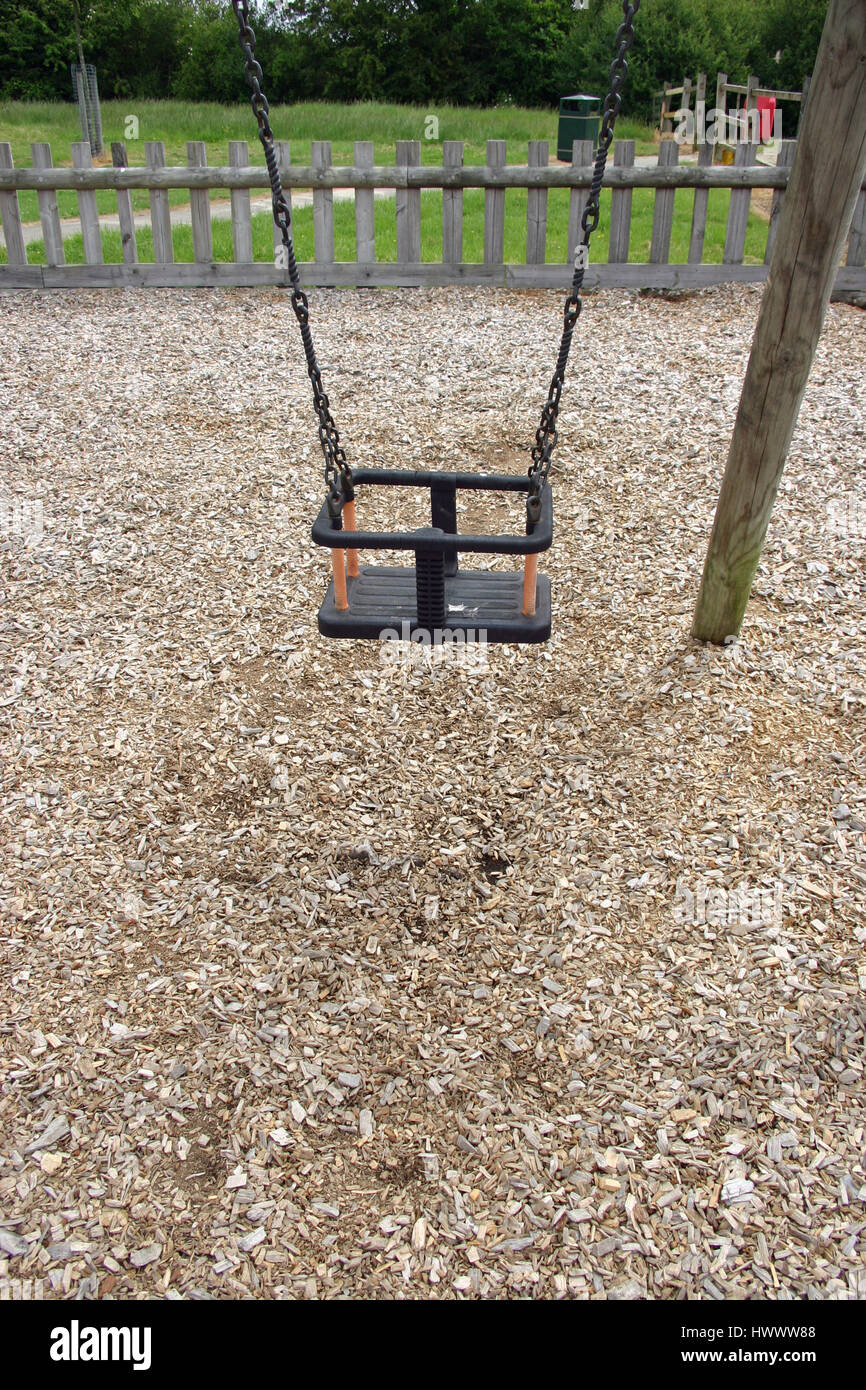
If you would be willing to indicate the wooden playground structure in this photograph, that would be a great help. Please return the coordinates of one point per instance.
(754, 116)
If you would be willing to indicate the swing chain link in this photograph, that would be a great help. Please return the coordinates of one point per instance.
(338, 474)
(546, 435)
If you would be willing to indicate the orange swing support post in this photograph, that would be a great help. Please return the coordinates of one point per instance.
(338, 565)
(344, 562)
(530, 585)
(351, 525)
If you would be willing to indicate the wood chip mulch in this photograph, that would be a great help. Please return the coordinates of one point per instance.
(535, 976)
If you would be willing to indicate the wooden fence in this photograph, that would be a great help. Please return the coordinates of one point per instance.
(407, 178)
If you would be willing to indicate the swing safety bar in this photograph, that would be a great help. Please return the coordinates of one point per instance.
(443, 492)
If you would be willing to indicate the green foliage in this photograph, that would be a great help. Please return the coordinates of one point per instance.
(677, 38)
(211, 68)
(38, 46)
(461, 52)
(793, 32)
(138, 45)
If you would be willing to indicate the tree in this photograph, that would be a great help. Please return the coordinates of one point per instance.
(211, 68)
(39, 45)
(465, 52)
(788, 41)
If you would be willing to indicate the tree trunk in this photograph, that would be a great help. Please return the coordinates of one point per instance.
(826, 178)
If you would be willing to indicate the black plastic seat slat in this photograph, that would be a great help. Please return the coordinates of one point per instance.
(484, 602)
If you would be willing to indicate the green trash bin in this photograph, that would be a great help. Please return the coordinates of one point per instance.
(579, 119)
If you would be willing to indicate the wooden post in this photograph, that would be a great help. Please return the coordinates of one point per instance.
(665, 113)
(452, 206)
(494, 208)
(49, 213)
(199, 206)
(720, 123)
(124, 208)
(825, 181)
(803, 99)
(686, 101)
(160, 213)
(87, 208)
(581, 158)
(620, 205)
(784, 160)
(323, 206)
(700, 111)
(408, 206)
(365, 208)
(536, 206)
(242, 227)
(751, 118)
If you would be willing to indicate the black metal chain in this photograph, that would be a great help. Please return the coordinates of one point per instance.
(546, 434)
(338, 474)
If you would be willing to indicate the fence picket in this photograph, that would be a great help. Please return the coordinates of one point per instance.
(494, 208)
(87, 209)
(699, 209)
(408, 206)
(160, 214)
(536, 206)
(242, 225)
(452, 206)
(620, 205)
(738, 212)
(124, 208)
(365, 208)
(10, 213)
(199, 205)
(323, 206)
(663, 208)
(581, 158)
(49, 213)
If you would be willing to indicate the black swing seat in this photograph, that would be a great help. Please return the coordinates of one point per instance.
(437, 597)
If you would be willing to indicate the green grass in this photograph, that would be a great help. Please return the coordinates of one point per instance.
(175, 122)
(473, 231)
